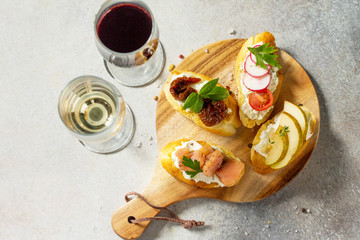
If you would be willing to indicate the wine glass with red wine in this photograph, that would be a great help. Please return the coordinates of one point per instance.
(127, 37)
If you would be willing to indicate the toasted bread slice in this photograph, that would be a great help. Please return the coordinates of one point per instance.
(235, 173)
(226, 127)
(291, 128)
(258, 118)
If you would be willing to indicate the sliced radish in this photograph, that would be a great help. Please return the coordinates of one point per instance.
(253, 70)
(256, 84)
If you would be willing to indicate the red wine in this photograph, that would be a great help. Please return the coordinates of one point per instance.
(124, 28)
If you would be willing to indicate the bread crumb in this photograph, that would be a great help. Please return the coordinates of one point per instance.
(138, 144)
(206, 50)
(150, 138)
(156, 98)
(246, 233)
(171, 67)
(232, 31)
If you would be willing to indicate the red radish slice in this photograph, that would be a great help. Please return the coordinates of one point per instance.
(256, 84)
(253, 70)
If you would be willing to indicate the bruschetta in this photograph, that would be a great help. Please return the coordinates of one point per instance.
(216, 115)
(259, 79)
(279, 140)
(201, 164)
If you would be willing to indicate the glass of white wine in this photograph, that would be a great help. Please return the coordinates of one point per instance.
(95, 113)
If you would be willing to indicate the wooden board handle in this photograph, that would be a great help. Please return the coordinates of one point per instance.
(157, 194)
(136, 208)
(160, 192)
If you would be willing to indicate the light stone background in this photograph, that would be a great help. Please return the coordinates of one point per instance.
(53, 188)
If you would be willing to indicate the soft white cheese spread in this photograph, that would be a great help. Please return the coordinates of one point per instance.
(246, 108)
(264, 136)
(200, 177)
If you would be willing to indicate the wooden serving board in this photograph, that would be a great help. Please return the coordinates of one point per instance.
(164, 190)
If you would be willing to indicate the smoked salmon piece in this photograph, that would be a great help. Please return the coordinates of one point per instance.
(180, 153)
(230, 171)
(213, 162)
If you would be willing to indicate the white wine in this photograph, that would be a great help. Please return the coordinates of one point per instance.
(95, 112)
(92, 111)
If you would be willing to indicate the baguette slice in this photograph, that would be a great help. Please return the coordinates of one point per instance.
(235, 173)
(264, 37)
(296, 141)
(226, 127)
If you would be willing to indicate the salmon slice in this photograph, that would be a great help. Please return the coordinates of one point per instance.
(180, 153)
(199, 156)
(206, 149)
(213, 162)
(230, 171)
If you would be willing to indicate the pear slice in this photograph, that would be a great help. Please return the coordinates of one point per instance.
(311, 122)
(294, 134)
(299, 115)
(279, 146)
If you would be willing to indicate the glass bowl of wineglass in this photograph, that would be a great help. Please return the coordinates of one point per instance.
(95, 112)
(127, 37)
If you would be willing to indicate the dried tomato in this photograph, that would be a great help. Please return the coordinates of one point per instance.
(180, 88)
(213, 112)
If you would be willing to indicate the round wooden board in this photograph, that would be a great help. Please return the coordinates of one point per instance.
(164, 189)
(220, 62)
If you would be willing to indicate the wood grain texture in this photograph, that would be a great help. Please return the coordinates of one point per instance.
(164, 190)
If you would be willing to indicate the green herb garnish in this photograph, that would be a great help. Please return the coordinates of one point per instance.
(209, 91)
(195, 165)
(271, 142)
(283, 131)
(265, 53)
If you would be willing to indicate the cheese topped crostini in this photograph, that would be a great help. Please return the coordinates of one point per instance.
(204, 101)
(202, 164)
(279, 140)
(258, 78)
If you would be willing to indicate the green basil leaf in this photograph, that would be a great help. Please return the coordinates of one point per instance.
(208, 86)
(217, 94)
(190, 100)
(197, 105)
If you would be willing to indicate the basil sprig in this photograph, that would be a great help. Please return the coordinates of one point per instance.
(265, 53)
(209, 91)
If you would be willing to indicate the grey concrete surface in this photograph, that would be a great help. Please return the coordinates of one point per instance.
(53, 188)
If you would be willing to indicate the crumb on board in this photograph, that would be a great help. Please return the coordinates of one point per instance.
(138, 144)
(156, 98)
(171, 67)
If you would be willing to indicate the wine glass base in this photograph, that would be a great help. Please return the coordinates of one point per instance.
(139, 75)
(120, 140)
